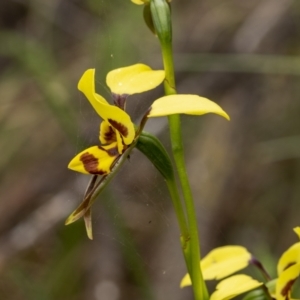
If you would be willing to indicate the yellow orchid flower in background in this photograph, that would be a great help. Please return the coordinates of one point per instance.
(224, 261)
(220, 263)
(288, 269)
(234, 286)
(117, 131)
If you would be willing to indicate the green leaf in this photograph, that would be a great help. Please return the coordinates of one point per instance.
(256, 295)
(156, 153)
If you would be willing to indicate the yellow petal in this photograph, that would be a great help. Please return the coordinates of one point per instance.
(86, 85)
(221, 262)
(95, 160)
(134, 79)
(285, 282)
(138, 2)
(185, 104)
(120, 142)
(289, 258)
(121, 122)
(297, 230)
(234, 286)
(107, 134)
(115, 116)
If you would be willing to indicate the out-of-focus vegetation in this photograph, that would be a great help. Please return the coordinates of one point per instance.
(245, 174)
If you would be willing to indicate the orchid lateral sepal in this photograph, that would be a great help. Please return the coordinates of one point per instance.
(88, 214)
(99, 187)
(82, 208)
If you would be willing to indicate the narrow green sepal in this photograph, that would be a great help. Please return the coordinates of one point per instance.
(148, 18)
(156, 153)
(161, 16)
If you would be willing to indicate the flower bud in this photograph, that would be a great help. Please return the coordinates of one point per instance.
(161, 17)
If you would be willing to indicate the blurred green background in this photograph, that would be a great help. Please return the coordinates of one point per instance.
(245, 174)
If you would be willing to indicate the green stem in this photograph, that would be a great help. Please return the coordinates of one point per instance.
(199, 287)
(161, 16)
(184, 233)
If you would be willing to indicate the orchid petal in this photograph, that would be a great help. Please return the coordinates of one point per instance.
(138, 2)
(95, 160)
(285, 282)
(115, 116)
(288, 258)
(86, 85)
(107, 134)
(120, 142)
(234, 286)
(79, 212)
(134, 79)
(185, 104)
(221, 262)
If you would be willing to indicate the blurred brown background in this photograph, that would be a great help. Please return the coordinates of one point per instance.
(245, 174)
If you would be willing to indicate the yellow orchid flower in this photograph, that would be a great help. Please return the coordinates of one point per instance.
(224, 261)
(117, 131)
(288, 269)
(234, 286)
(221, 262)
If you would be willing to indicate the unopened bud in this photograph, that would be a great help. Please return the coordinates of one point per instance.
(161, 17)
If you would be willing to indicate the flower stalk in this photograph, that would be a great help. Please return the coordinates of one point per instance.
(162, 22)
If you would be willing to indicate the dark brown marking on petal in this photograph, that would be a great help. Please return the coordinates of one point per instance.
(287, 288)
(111, 152)
(119, 126)
(110, 135)
(289, 265)
(91, 163)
